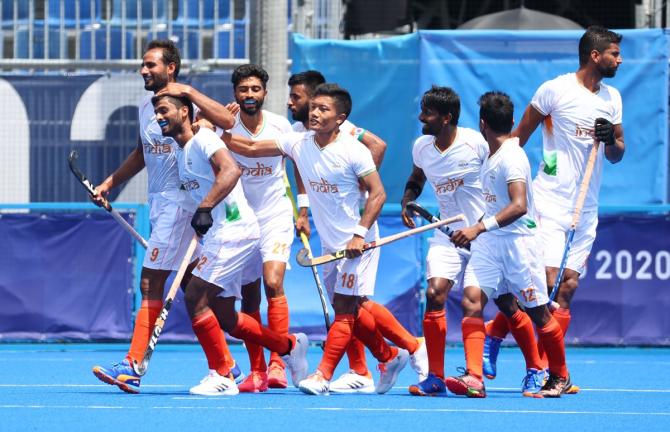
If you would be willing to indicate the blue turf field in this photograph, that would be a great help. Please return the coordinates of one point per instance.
(50, 387)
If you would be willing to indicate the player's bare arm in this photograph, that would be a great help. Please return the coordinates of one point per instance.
(513, 211)
(529, 122)
(227, 174)
(376, 145)
(250, 148)
(133, 164)
(209, 108)
(373, 207)
(302, 223)
(413, 188)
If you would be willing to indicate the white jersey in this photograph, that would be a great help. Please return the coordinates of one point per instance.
(455, 173)
(347, 127)
(330, 176)
(263, 178)
(233, 218)
(567, 134)
(509, 164)
(159, 158)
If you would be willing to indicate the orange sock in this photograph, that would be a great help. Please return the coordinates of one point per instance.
(337, 342)
(498, 327)
(365, 329)
(435, 331)
(563, 317)
(524, 335)
(278, 321)
(474, 333)
(390, 328)
(144, 326)
(356, 356)
(551, 336)
(255, 351)
(250, 330)
(209, 334)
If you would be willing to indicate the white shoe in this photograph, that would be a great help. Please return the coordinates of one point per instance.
(315, 384)
(351, 382)
(296, 360)
(215, 385)
(389, 371)
(419, 360)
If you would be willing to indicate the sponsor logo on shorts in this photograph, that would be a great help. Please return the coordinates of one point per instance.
(449, 186)
(323, 186)
(258, 171)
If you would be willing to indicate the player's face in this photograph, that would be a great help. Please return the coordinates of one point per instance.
(323, 116)
(250, 94)
(433, 122)
(609, 60)
(298, 102)
(154, 71)
(169, 117)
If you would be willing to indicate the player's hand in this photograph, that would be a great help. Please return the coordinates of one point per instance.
(407, 216)
(462, 238)
(202, 123)
(233, 108)
(202, 220)
(355, 247)
(175, 89)
(302, 223)
(604, 131)
(100, 196)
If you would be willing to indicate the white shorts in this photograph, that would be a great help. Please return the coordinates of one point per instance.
(553, 226)
(444, 260)
(508, 263)
(171, 232)
(226, 263)
(277, 236)
(352, 277)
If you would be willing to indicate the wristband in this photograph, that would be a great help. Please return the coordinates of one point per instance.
(303, 200)
(490, 223)
(358, 133)
(360, 231)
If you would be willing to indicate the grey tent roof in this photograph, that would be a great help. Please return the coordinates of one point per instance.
(520, 19)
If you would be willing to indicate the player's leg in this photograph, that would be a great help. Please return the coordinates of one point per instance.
(496, 331)
(278, 316)
(257, 380)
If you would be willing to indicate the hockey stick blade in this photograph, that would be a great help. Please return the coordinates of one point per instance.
(413, 206)
(72, 162)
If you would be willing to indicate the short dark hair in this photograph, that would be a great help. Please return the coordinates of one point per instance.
(249, 70)
(340, 95)
(443, 100)
(178, 101)
(311, 79)
(596, 38)
(170, 53)
(497, 110)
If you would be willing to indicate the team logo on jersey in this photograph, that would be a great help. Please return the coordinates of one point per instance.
(489, 197)
(190, 185)
(449, 186)
(157, 148)
(462, 164)
(323, 186)
(581, 131)
(258, 171)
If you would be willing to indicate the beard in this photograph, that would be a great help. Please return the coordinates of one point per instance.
(300, 115)
(607, 72)
(251, 109)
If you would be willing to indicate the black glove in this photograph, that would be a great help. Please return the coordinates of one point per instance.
(202, 220)
(604, 131)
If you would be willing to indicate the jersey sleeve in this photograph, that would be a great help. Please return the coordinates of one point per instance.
(209, 142)
(348, 128)
(361, 160)
(285, 125)
(416, 153)
(617, 112)
(516, 167)
(286, 142)
(544, 98)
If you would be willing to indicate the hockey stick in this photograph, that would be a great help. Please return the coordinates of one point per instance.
(306, 246)
(141, 367)
(72, 161)
(415, 207)
(304, 260)
(583, 188)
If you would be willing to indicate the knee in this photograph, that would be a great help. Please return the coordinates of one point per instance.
(507, 304)
(274, 285)
(435, 298)
(471, 307)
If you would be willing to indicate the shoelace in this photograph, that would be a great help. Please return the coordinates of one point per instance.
(530, 376)
(463, 371)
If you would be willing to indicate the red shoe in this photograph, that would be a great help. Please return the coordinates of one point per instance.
(256, 382)
(466, 385)
(276, 377)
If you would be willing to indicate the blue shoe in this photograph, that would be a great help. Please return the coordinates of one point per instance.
(431, 386)
(533, 382)
(491, 349)
(238, 375)
(119, 374)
